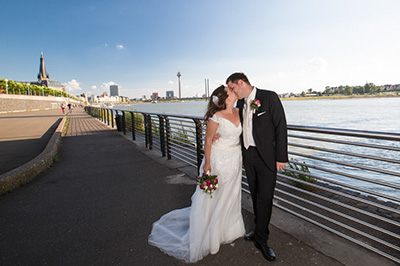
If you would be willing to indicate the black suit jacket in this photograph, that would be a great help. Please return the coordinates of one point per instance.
(269, 128)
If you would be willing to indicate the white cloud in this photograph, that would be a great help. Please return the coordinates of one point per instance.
(120, 47)
(106, 85)
(94, 87)
(316, 64)
(72, 85)
(106, 45)
(170, 82)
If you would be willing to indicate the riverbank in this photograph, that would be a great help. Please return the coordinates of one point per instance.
(332, 97)
(340, 97)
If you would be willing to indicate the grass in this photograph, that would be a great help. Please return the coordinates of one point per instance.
(56, 158)
(65, 126)
(303, 177)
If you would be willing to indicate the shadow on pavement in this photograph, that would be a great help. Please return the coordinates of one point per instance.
(15, 153)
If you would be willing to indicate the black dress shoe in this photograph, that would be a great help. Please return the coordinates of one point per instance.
(250, 236)
(266, 251)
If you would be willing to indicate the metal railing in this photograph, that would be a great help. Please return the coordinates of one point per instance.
(345, 181)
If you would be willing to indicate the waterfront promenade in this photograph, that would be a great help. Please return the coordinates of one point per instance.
(96, 205)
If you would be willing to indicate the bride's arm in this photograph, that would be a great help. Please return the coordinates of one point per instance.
(210, 132)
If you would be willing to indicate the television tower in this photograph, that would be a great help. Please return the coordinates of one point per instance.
(180, 87)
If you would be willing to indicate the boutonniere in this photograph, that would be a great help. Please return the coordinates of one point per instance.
(255, 105)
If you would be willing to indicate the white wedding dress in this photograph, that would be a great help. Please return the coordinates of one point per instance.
(191, 233)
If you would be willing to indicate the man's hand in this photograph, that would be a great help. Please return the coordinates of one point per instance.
(280, 166)
(215, 137)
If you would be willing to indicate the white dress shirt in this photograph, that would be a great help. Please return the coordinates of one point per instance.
(248, 139)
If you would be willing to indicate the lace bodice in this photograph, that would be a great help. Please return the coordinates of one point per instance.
(229, 132)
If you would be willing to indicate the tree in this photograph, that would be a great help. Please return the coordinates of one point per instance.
(369, 87)
(12, 87)
(341, 89)
(348, 90)
(3, 85)
(327, 90)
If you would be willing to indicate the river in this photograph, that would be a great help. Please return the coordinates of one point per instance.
(370, 114)
(375, 114)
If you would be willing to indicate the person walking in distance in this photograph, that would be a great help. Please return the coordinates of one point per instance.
(264, 149)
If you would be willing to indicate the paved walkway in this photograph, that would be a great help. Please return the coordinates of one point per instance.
(96, 205)
(24, 135)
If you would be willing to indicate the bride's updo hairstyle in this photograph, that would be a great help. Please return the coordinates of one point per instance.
(216, 102)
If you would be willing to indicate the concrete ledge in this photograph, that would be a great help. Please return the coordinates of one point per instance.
(22, 103)
(23, 174)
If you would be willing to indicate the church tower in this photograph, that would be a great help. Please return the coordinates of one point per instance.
(43, 75)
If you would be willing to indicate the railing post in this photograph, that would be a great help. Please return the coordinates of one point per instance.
(123, 122)
(133, 126)
(162, 134)
(108, 116)
(199, 141)
(112, 118)
(168, 137)
(146, 137)
(148, 133)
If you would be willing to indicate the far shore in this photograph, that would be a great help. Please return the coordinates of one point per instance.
(339, 97)
(333, 97)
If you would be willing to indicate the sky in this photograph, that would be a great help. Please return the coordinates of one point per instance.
(140, 45)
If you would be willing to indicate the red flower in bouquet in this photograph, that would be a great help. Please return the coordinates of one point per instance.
(208, 183)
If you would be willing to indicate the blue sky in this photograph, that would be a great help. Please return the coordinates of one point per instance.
(285, 46)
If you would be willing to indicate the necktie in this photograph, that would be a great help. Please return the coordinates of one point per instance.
(246, 123)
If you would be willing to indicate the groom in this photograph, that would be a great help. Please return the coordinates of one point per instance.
(264, 145)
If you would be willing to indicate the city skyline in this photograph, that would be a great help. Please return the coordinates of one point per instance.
(286, 46)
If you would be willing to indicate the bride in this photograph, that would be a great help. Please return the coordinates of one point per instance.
(193, 232)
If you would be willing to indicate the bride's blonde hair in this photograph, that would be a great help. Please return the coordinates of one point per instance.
(216, 102)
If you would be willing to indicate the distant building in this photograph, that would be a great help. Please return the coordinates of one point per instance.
(44, 78)
(389, 87)
(124, 99)
(155, 96)
(114, 90)
(170, 94)
(92, 98)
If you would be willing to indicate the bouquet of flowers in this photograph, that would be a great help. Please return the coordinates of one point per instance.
(208, 183)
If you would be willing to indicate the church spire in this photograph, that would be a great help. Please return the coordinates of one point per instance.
(43, 75)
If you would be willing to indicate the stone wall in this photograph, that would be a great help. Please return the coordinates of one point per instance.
(20, 103)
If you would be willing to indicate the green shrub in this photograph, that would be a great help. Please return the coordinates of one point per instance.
(304, 177)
